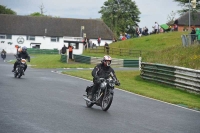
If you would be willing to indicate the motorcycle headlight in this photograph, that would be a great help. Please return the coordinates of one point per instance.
(103, 85)
(23, 61)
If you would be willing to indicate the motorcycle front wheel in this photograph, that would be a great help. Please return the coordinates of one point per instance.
(106, 102)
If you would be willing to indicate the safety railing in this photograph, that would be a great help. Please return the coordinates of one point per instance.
(180, 77)
(189, 39)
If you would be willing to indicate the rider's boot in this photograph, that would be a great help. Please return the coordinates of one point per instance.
(13, 69)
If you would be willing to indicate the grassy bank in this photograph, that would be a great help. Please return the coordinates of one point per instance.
(164, 48)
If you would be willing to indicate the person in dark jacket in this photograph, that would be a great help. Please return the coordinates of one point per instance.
(102, 70)
(193, 35)
(23, 55)
(64, 48)
(3, 54)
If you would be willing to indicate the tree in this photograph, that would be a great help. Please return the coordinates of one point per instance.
(4, 10)
(37, 14)
(120, 15)
(171, 17)
(185, 4)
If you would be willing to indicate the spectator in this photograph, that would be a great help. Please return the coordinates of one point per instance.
(84, 43)
(146, 30)
(64, 49)
(106, 47)
(99, 41)
(114, 40)
(124, 38)
(94, 45)
(198, 35)
(193, 35)
(90, 44)
(70, 47)
(155, 28)
(137, 32)
(176, 25)
(120, 37)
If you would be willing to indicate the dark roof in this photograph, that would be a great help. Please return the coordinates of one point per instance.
(35, 26)
(184, 20)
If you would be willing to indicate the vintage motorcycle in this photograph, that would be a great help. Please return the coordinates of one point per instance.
(104, 95)
(3, 56)
(20, 68)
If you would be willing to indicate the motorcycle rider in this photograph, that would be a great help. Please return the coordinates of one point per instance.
(24, 55)
(102, 70)
(3, 55)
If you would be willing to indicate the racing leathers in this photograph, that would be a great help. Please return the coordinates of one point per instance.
(101, 71)
(21, 55)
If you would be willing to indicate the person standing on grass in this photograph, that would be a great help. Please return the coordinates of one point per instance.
(99, 40)
(193, 35)
(70, 47)
(64, 48)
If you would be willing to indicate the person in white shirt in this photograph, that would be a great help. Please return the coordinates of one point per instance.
(156, 28)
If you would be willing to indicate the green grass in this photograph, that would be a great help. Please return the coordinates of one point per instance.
(150, 89)
(53, 61)
(163, 48)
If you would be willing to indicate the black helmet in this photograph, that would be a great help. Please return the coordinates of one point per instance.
(24, 48)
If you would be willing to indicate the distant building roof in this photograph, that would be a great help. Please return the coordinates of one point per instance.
(35, 26)
(184, 19)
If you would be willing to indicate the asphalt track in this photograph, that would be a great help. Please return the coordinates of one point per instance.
(44, 101)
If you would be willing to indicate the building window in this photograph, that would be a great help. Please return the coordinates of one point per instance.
(5, 36)
(8, 36)
(54, 39)
(2, 36)
(30, 38)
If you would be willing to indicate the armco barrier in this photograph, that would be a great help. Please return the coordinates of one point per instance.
(180, 77)
(63, 58)
(115, 62)
(82, 59)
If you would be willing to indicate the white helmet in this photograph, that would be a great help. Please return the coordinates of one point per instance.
(107, 58)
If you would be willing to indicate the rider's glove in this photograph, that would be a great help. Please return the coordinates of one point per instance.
(117, 83)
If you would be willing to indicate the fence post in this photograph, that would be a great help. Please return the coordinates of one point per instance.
(140, 60)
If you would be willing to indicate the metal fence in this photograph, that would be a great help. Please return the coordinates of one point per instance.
(180, 77)
(189, 39)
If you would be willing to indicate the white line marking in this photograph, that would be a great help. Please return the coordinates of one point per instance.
(137, 94)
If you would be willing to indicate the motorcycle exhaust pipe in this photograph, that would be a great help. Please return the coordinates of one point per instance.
(86, 99)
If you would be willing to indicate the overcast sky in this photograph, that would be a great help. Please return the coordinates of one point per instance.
(151, 10)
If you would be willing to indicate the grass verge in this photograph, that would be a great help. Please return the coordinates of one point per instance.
(150, 89)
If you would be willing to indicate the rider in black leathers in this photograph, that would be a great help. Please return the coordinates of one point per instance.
(102, 70)
(24, 55)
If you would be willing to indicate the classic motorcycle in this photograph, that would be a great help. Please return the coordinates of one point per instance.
(3, 56)
(104, 95)
(20, 68)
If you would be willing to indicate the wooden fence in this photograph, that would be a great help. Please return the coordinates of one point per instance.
(117, 51)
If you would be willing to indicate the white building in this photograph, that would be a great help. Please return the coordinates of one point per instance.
(49, 33)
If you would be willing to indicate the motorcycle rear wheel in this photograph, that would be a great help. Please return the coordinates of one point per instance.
(106, 102)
